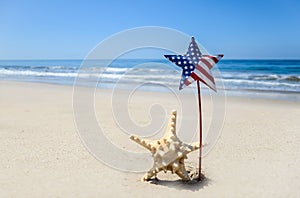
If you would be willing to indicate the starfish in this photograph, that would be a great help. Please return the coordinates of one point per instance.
(169, 152)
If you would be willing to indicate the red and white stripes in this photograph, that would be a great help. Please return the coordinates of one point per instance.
(202, 71)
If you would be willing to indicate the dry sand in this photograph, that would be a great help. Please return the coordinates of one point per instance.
(257, 155)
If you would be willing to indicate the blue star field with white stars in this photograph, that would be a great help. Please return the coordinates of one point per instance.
(187, 61)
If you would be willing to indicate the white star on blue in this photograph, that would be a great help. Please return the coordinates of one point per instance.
(188, 61)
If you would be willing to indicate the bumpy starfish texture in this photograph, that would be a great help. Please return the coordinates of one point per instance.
(169, 152)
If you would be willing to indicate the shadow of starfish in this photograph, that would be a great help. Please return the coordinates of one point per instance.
(192, 185)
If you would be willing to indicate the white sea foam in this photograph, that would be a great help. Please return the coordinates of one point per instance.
(116, 70)
(34, 73)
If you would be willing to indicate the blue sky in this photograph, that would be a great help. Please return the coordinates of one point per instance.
(70, 29)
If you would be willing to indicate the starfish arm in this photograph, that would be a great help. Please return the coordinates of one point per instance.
(196, 145)
(172, 122)
(143, 142)
(187, 148)
(152, 172)
(182, 173)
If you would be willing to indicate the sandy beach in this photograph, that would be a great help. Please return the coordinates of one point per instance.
(42, 155)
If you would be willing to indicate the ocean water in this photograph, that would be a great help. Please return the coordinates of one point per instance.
(257, 78)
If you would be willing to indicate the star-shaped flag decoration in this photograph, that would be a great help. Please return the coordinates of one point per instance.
(195, 66)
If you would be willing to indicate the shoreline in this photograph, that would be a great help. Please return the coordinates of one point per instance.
(241, 93)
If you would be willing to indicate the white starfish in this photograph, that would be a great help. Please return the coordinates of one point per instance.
(169, 152)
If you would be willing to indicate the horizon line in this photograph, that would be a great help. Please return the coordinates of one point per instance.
(77, 59)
